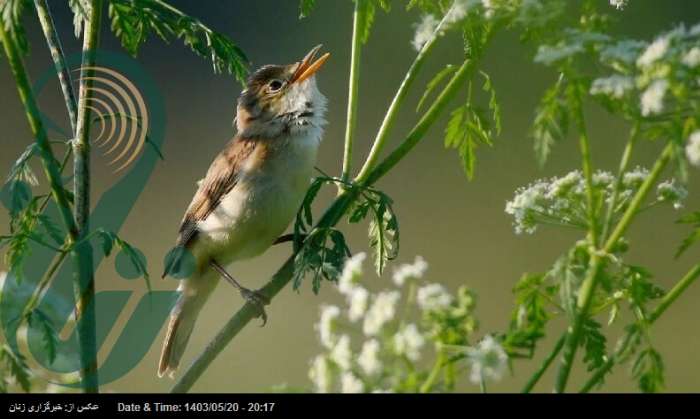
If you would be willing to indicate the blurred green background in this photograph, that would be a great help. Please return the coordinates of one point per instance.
(458, 226)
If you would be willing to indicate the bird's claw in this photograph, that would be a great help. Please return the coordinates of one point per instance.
(258, 300)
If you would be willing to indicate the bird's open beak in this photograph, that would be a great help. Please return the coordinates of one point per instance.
(308, 67)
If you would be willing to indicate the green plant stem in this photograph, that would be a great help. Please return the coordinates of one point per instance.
(624, 166)
(50, 164)
(330, 217)
(353, 88)
(396, 104)
(84, 275)
(418, 132)
(587, 164)
(59, 60)
(51, 170)
(587, 289)
(545, 365)
(668, 299)
(429, 383)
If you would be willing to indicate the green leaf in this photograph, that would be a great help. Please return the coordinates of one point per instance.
(551, 121)
(530, 316)
(466, 131)
(80, 10)
(383, 233)
(133, 20)
(305, 8)
(648, 370)
(11, 12)
(494, 106)
(54, 231)
(16, 367)
(432, 84)
(49, 336)
(21, 170)
(108, 239)
(594, 343)
(322, 256)
(694, 236)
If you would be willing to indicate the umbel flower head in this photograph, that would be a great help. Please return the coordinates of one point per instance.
(562, 200)
(380, 341)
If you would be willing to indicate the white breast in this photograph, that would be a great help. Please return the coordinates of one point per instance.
(264, 201)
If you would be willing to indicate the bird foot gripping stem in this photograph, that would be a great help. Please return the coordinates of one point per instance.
(256, 298)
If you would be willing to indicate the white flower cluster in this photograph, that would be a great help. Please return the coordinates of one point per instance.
(409, 272)
(618, 4)
(387, 336)
(433, 297)
(650, 74)
(615, 86)
(692, 149)
(562, 200)
(430, 27)
(488, 360)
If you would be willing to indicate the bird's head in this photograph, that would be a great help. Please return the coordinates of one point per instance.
(280, 99)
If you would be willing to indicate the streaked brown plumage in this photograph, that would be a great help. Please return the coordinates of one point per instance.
(251, 191)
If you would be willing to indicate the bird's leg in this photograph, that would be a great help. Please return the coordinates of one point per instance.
(253, 297)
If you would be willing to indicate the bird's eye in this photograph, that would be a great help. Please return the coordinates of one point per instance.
(275, 85)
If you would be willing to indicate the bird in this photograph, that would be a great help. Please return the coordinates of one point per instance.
(251, 192)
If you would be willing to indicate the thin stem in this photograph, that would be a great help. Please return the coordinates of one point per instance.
(427, 386)
(639, 197)
(330, 217)
(589, 283)
(624, 166)
(421, 128)
(585, 148)
(397, 102)
(545, 365)
(353, 88)
(59, 60)
(668, 299)
(84, 275)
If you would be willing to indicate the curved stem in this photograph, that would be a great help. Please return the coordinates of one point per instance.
(397, 102)
(427, 386)
(353, 88)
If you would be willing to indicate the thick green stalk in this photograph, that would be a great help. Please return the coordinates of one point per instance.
(545, 365)
(665, 303)
(84, 275)
(331, 217)
(59, 60)
(397, 102)
(589, 283)
(50, 164)
(353, 88)
(53, 174)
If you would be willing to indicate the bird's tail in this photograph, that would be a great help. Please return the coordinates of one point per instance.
(194, 292)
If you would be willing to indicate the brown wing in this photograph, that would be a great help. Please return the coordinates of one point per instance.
(220, 180)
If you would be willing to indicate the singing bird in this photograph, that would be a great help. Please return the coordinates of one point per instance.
(252, 190)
